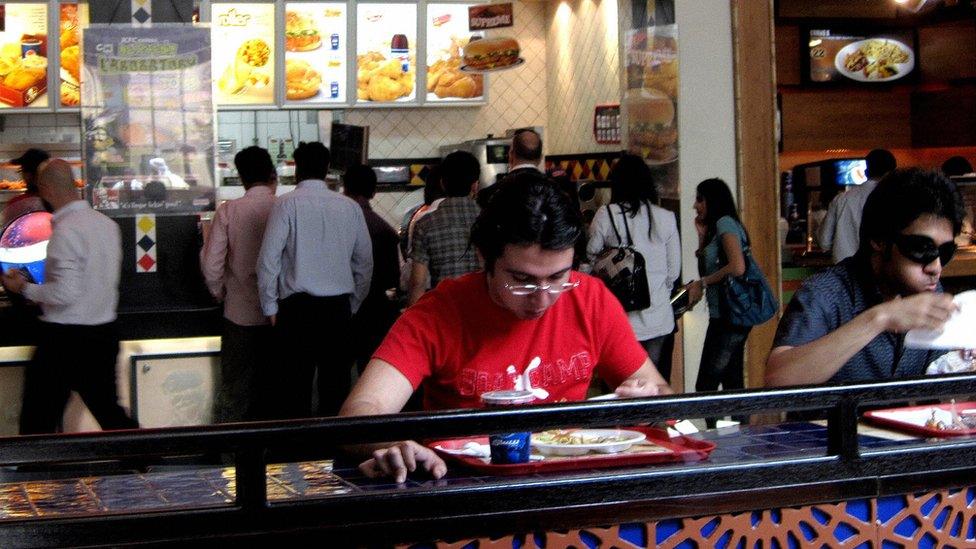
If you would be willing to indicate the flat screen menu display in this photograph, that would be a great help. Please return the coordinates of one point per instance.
(837, 56)
(447, 35)
(23, 55)
(315, 52)
(71, 18)
(386, 52)
(243, 53)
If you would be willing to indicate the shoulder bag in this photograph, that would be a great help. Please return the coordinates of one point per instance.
(623, 270)
(748, 298)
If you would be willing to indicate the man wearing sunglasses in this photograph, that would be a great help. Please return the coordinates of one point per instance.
(458, 341)
(848, 322)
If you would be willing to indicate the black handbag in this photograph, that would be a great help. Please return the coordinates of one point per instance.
(623, 270)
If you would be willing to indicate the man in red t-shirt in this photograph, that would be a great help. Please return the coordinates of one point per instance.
(459, 339)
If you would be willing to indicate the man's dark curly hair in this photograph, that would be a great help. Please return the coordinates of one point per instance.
(523, 210)
(903, 196)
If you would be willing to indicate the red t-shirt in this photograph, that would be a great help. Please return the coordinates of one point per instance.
(459, 343)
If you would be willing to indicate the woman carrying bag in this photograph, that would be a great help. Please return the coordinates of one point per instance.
(737, 293)
(633, 221)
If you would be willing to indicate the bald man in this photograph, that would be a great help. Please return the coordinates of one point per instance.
(526, 152)
(78, 341)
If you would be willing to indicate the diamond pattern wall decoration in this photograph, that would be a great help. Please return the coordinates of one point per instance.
(146, 260)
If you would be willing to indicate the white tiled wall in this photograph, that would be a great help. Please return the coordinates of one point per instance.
(257, 127)
(583, 70)
(516, 98)
(40, 128)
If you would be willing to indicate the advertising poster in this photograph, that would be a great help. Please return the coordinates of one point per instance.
(447, 35)
(243, 53)
(651, 101)
(148, 119)
(315, 52)
(23, 56)
(71, 18)
(386, 52)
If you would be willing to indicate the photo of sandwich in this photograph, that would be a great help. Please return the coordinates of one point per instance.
(301, 33)
(491, 54)
(651, 127)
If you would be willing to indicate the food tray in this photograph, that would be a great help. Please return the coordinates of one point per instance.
(912, 418)
(677, 449)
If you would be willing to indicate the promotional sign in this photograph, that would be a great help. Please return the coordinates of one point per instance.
(243, 53)
(490, 16)
(860, 57)
(447, 36)
(71, 18)
(651, 101)
(315, 52)
(386, 54)
(23, 56)
(148, 119)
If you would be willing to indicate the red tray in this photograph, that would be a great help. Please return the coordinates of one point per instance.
(680, 449)
(912, 419)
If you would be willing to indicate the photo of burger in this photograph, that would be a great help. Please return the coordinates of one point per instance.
(301, 33)
(491, 54)
(651, 127)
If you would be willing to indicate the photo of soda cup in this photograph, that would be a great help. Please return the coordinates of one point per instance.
(32, 45)
(334, 89)
(509, 448)
(334, 41)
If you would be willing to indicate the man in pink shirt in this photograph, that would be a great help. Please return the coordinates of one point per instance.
(228, 259)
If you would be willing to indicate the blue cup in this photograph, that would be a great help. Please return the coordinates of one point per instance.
(509, 448)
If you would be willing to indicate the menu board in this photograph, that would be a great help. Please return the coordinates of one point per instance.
(447, 35)
(23, 55)
(148, 119)
(386, 54)
(243, 53)
(860, 57)
(315, 52)
(71, 18)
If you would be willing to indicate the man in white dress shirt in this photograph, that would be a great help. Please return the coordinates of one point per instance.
(78, 341)
(314, 271)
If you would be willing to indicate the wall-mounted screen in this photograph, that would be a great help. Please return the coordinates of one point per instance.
(871, 57)
(851, 171)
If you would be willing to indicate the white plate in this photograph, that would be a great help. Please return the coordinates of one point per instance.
(626, 440)
(902, 68)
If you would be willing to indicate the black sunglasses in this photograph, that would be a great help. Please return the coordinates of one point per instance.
(922, 249)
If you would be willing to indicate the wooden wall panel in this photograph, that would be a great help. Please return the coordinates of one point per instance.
(947, 52)
(944, 118)
(845, 118)
(837, 8)
(788, 48)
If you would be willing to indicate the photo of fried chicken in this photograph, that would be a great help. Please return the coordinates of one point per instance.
(382, 80)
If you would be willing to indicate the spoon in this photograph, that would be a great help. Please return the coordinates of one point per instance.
(539, 392)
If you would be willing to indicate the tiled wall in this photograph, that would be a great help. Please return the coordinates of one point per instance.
(245, 126)
(582, 70)
(516, 98)
(40, 128)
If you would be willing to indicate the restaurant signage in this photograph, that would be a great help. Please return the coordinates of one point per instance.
(490, 16)
(148, 119)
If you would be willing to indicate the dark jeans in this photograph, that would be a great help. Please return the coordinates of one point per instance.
(660, 350)
(722, 360)
(72, 358)
(370, 325)
(313, 334)
(245, 364)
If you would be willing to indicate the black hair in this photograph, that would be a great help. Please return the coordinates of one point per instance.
(432, 185)
(254, 166)
(879, 162)
(459, 170)
(903, 196)
(718, 203)
(311, 161)
(527, 145)
(956, 165)
(360, 180)
(631, 184)
(526, 209)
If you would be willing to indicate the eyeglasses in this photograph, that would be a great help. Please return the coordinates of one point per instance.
(529, 289)
(922, 249)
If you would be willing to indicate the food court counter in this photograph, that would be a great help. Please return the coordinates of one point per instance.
(800, 484)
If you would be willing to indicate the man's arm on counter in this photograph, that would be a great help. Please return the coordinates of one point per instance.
(646, 381)
(818, 360)
(382, 389)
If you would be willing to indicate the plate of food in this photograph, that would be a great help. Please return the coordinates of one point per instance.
(875, 60)
(576, 442)
(937, 420)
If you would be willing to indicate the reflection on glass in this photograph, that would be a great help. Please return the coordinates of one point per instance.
(23, 56)
(386, 52)
(447, 35)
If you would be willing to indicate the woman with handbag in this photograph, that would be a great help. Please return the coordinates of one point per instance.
(633, 221)
(721, 241)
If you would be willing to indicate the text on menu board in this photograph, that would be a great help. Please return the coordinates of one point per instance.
(143, 55)
(490, 16)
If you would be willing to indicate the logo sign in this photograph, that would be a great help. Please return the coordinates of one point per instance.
(490, 16)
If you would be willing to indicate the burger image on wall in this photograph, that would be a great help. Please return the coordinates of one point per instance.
(300, 32)
(650, 125)
(488, 54)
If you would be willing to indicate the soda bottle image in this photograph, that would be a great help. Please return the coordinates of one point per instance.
(400, 49)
